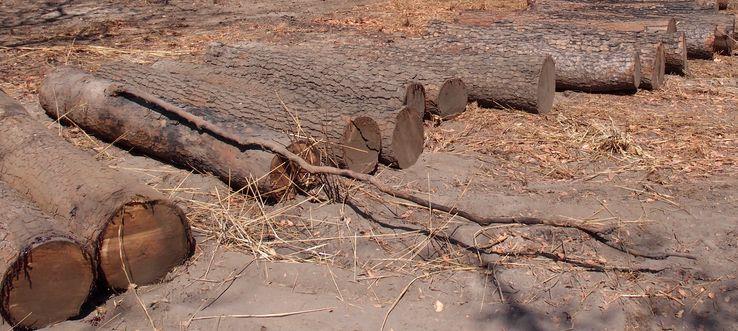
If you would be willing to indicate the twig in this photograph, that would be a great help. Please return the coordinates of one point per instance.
(399, 297)
(292, 313)
(131, 285)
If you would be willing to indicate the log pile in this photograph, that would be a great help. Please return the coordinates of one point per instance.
(271, 120)
(110, 212)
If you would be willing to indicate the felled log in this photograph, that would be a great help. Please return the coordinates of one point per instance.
(354, 84)
(446, 95)
(45, 275)
(357, 148)
(343, 88)
(591, 64)
(493, 79)
(694, 20)
(133, 124)
(103, 207)
(243, 106)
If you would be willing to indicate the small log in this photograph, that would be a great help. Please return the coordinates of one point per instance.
(590, 63)
(98, 204)
(240, 106)
(46, 275)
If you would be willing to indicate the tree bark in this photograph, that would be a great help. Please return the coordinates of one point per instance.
(329, 83)
(590, 63)
(98, 204)
(46, 275)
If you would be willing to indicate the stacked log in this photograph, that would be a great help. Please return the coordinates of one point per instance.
(134, 233)
(706, 31)
(254, 108)
(45, 275)
(597, 64)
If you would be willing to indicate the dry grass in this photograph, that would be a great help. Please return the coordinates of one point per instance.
(686, 130)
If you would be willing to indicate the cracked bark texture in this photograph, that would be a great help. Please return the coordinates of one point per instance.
(45, 275)
(89, 198)
(590, 62)
(336, 86)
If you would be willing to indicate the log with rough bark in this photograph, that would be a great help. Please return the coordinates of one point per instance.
(590, 63)
(511, 80)
(83, 99)
(357, 148)
(705, 30)
(45, 275)
(111, 212)
(445, 96)
(520, 82)
(356, 84)
(323, 105)
(312, 117)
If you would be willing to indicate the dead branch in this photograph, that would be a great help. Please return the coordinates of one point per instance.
(597, 232)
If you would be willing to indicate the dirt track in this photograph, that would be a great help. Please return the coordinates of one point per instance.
(663, 163)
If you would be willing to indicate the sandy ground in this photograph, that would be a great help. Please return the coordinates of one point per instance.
(662, 164)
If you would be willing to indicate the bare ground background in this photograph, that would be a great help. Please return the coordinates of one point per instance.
(662, 163)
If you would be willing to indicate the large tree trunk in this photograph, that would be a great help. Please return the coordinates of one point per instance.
(513, 80)
(357, 148)
(45, 275)
(86, 101)
(446, 94)
(242, 106)
(584, 63)
(98, 204)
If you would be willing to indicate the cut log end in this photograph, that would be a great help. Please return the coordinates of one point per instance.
(362, 142)
(451, 99)
(155, 239)
(654, 68)
(408, 138)
(671, 27)
(680, 66)
(723, 43)
(637, 70)
(415, 98)
(286, 177)
(546, 86)
(48, 284)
